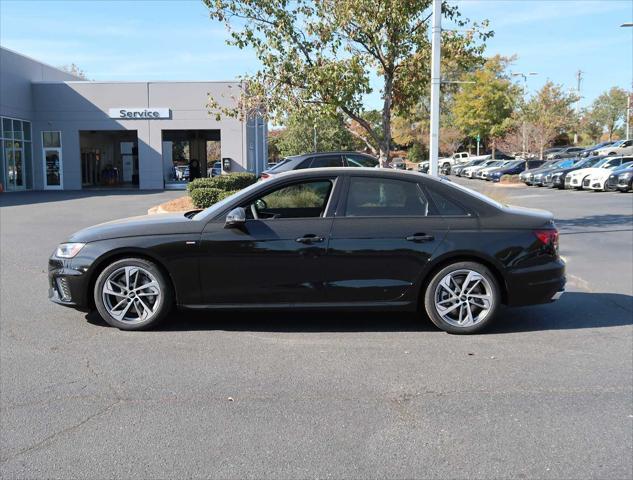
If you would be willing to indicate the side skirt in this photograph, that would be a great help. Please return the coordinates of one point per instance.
(397, 305)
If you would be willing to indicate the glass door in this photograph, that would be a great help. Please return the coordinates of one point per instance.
(13, 154)
(53, 166)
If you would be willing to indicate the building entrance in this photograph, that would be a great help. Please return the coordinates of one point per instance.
(109, 158)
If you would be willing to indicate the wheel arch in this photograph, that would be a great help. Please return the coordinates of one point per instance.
(467, 256)
(106, 259)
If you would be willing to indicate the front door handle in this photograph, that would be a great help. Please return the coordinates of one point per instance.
(420, 237)
(310, 238)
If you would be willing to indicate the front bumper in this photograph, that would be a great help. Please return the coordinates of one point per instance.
(67, 284)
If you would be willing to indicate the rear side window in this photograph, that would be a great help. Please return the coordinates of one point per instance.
(445, 205)
(360, 161)
(329, 161)
(382, 197)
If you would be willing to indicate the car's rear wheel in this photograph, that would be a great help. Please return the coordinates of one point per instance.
(462, 297)
(132, 294)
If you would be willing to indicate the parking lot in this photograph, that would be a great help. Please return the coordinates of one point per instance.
(546, 393)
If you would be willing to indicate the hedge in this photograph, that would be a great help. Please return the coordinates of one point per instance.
(229, 183)
(205, 197)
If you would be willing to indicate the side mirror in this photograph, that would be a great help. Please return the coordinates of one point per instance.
(236, 218)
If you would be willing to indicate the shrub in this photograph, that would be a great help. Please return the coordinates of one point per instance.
(510, 179)
(229, 183)
(205, 197)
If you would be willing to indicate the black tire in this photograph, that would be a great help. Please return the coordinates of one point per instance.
(432, 311)
(164, 301)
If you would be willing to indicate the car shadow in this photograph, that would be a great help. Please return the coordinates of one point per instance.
(575, 310)
(16, 199)
(616, 222)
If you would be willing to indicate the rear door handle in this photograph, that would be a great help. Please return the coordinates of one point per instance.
(310, 238)
(420, 237)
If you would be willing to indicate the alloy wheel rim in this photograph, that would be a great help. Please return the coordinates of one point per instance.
(463, 298)
(131, 294)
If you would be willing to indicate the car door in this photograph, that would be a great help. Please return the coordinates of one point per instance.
(382, 237)
(274, 257)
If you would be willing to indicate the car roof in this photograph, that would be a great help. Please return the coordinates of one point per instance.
(320, 154)
(356, 171)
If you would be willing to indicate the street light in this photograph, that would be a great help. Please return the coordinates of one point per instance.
(524, 75)
(628, 100)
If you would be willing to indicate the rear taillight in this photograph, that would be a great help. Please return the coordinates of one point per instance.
(548, 238)
(265, 175)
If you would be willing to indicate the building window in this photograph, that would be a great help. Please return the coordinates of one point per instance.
(52, 155)
(15, 154)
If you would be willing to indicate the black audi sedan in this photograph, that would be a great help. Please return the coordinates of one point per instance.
(621, 180)
(333, 238)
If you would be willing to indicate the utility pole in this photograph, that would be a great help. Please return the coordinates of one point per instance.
(436, 51)
(578, 80)
(315, 138)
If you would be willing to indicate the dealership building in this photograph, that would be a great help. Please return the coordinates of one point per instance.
(62, 132)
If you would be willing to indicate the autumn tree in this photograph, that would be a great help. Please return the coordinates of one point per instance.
(548, 114)
(483, 105)
(331, 134)
(609, 109)
(320, 55)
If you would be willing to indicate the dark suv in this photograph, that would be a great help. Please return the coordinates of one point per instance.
(320, 160)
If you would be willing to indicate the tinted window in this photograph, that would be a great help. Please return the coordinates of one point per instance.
(379, 197)
(305, 164)
(300, 200)
(444, 205)
(360, 161)
(329, 161)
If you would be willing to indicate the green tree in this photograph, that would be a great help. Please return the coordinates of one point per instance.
(321, 55)
(548, 114)
(331, 134)
(483, 106)
(609, 109)
(590, 129)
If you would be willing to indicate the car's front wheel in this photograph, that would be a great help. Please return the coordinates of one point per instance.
(132, 294)
(462, 297)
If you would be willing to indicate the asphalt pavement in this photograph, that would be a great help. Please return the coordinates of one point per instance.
(546, 393)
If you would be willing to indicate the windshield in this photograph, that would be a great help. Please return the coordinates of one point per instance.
(275, 167)
(588, 162)
(602, 162)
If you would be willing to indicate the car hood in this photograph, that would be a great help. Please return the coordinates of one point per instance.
(601, 173)
(587, 171)
(161, 224)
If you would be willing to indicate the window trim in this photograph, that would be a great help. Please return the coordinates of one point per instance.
(3, 176)
(59, 151)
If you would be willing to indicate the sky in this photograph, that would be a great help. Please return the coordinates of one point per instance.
(176, 40)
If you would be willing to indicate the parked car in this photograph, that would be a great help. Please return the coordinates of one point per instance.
(215, 170)
(621, 147)
(566, 152)
(398, 164)
(538, 179)
(598, 179)
(577, 178)
(514, 167)
(589, 151)
(622, 180)
(321, 160)
(460, 157)
(457, 169)
(556, 177)
(482, 173)
(327, 239)
(471, 171)
(527, 176)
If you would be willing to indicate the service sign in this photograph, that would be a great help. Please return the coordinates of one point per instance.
(124, 113)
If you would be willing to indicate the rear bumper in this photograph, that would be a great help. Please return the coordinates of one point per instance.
(538, 284)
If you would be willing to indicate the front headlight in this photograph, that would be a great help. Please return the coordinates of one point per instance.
(68, 250)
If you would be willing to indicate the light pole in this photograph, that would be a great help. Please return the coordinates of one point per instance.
(628, 101)
(524, 75)
(436, 50)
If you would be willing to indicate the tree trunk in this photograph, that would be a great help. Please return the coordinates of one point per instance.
(385, 144)
(494, 148)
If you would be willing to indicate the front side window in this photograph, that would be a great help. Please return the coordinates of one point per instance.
(381, 197)
(299, 200)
